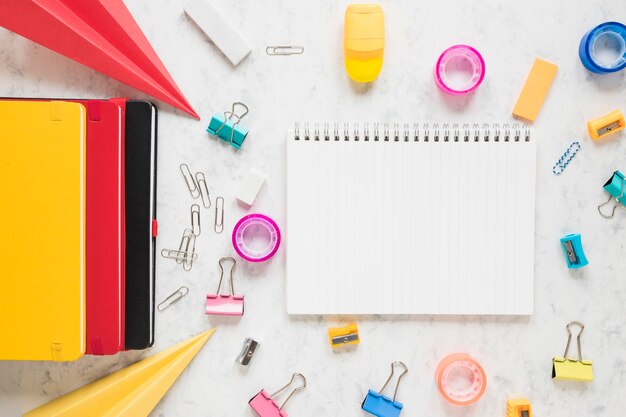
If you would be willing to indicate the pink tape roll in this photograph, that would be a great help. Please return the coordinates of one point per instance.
(253, 228)
(461, 57)
(451, 372)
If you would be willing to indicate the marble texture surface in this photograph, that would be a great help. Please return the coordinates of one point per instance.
(515, 352)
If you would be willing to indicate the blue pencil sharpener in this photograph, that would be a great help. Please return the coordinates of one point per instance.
(573, 249)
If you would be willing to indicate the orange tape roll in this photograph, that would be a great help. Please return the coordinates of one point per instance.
(460, 379)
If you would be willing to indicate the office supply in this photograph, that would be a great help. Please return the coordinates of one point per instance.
(460, 379)
(264, 405)
(364, 41)
(535, 90)
(605, 125)
(140, 195)
(247, 352)
(573, 250)
(195, 220)
(192, 185)
(62, 26)
(456, 59)
(564, 368)
(179, 255)
(615, 187)
(378, 404)
(204, 189)
(105, 227)
(341, 336)
(219, 215)
(186, 253)
(190, 248)
(602, 50)
(256, 237)
(42, 316)
(566, 158)
(185, 243)
(519, 407)
(250, 188)
(173, 298)
(223, 304)
(226, 125)
(284, 50)
(450, 208)
(218, 30)
(133, 391)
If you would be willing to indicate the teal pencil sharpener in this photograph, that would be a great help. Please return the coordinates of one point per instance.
(573, 249)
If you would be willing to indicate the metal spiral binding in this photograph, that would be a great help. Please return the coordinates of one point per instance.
(412, 133)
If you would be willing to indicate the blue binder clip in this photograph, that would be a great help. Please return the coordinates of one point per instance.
(377, 404)
(615, 187)
(573, 248)
(226, 126)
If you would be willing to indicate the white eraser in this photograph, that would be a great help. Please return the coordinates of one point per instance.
(218, 30)
(250, 188)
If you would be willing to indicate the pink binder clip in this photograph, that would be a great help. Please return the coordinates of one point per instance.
(223, 304)
(264, 405)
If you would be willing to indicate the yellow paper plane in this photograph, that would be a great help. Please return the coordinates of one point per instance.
(130, 392)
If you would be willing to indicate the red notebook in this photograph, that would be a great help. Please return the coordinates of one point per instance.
(105, 245)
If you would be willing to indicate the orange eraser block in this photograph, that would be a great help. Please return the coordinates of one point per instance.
(535, 90)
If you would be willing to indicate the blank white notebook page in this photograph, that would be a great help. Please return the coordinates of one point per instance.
(410, 227)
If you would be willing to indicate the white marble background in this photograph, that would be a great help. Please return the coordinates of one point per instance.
(515, 352)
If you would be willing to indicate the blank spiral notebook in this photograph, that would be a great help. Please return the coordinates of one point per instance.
(399, 220)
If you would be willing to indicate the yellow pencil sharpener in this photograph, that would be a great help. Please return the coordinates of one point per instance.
(519, 407)
(605, 125)
(364, 41)
(348, 335)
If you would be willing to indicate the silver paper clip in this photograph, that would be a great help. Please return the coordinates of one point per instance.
(184, 244)
(195, 220)
(192, 186)
(247, 352)
(219, 215)
(173, 298)
(204, 189)
(188, 261)
(186, 252)
(178, 254)
(284, 50)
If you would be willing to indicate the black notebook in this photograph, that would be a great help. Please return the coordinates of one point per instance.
(140, 192)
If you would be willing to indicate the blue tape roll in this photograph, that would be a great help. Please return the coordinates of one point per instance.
(605, 36)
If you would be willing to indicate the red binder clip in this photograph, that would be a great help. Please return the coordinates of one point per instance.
(264, 405)
(223, 304)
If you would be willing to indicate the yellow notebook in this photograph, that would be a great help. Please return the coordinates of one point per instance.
(42, 213)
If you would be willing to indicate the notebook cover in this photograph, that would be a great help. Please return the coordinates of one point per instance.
(105, 228)
(141, 148)
(42, 224)
(53, 25)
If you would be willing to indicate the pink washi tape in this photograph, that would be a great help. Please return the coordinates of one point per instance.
(256, 237)
(459, 70)
(460, 379)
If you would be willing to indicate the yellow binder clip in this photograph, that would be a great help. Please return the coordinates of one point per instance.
(605, 125)
(519, 407)
(348, 335)
(564, 368)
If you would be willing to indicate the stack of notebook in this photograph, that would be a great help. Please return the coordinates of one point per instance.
(77, 227)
